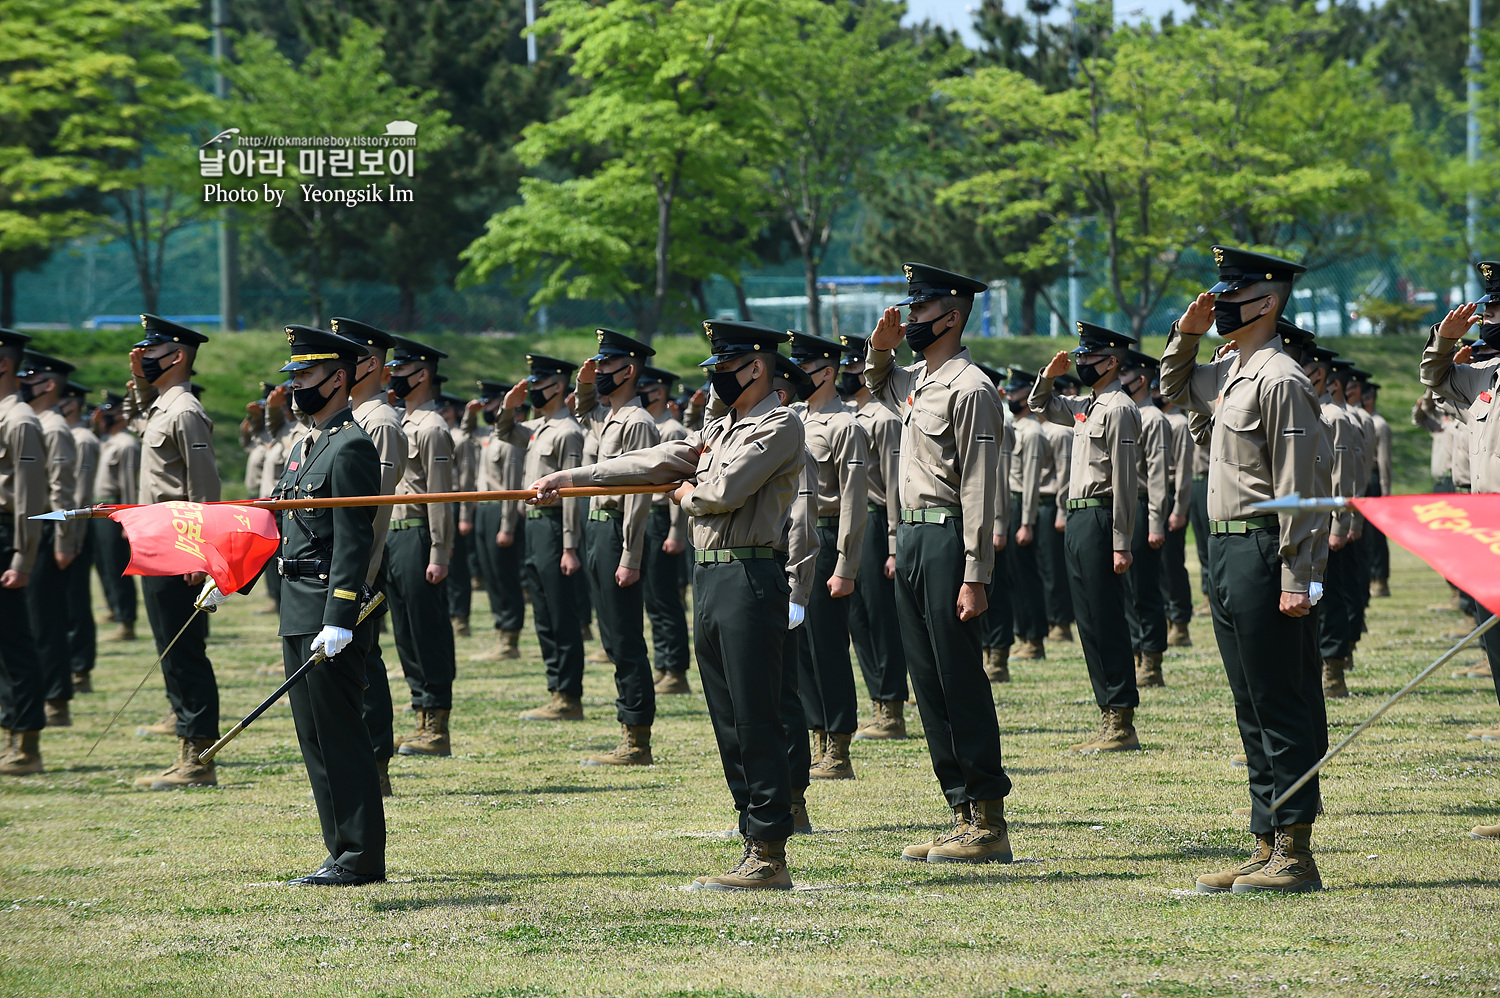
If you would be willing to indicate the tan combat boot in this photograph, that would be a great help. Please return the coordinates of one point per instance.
(835, 764)
(431, 737)
(598, 657)
(1117, 733)
(997, 664)
(1481, 670)
(460, 626)
(1485, 832)
(166, 726)
(918, 853)
(1027, 648)
(671, 684)
(762, 868)
(1148, 670)
(1380, 588)
(887, 722)
(384, 766)
(1221, 882)
(986, 838)
(23, 756)
(819, 746)
(83, 682)
(1060, 632)
(634, 748)
(801, 823)
(1452, 606)
(491, 654)
(58, 714)
(1204, 609)
(560, 707)
(1178, 636)
(125, 633)
(1239, 760)
(510, 644)
(1333, 678)
(1490, 734)
(1290, 870)
(188, 771)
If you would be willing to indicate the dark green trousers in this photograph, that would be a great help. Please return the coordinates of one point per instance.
(1379, 547)
(1052, 564)
(83, 637)
(739, 630)
(378, 715)
(554, 606)
(47, 601)
(661, 575)
(112, 554)
(1145, 610)
(1198, 520)
(22, 681)
(793, 725)
(946, 664)
(188, 674)
(1176, 587)
(327, 708)
(997, 628)
(1272, 665)
(873, 627)
(824, 673)
(1099, 598)
(460, 581)
(1359, 585)
(583, 582)
(1336, 617)
(500, 567)
(621, 613)
(1028, 603)
(419, 619)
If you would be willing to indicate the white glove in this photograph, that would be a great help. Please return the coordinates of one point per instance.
(211, 597)
(332, 640)
(1314, 592)
(795, 612)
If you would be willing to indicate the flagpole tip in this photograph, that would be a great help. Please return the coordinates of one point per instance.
(56, 514)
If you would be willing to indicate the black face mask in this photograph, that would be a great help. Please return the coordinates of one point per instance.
(309, 401)
(538, 397)
(806, 389)
(849, 385)
(645, 397)
(919, 335)
(152, 369)
(28, 392)
(1090, 373)
(726, 384)
(1489, 332)
(491, 417)
(1227, 315)
(607, 384)
(401, 385)
(1017, 406)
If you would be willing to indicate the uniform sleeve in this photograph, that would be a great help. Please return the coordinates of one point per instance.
(1062, 462)
(254, 462)
(1383, 454)
(803, 544)
(390, 454)
(1342, 474)
(1030, 454)
(1002, 480)
(465, 476)
(435, 451)
(1155, 439)
(88, 466)
(513, 433)
(1201, 427)
(1192, 386)
(588, 410)
(570, 458)
(195, 441)
(1122, 429)
(639, 434)
(976, 432)
(1459, 383)
(669, 461)
(887, 442)
(1182, 469)
(852, 452)
(888, 383)
(1423, 418)
(130, 472)
(772, 445)
(355, 472)
(30, 480)
(1059, 409)
(62, 487)
(1289, 413)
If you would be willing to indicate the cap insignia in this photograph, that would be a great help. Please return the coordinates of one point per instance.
(1080, 329)
(1218, 256)
(1486, 270)
(907, 269)
(291, 337)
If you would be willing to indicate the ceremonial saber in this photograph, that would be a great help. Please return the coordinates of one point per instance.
(281, 690)
(1443, 659)
(415, 499)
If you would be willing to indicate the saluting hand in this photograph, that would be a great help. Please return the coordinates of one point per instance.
(1199, 317)
(135, 362)
(1463, 355)
(888, 331)
(516, 395)
(1458, 321)
(1058, 366)
(586, 372)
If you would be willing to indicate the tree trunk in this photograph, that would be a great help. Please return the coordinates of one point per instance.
(744, 303)
(810, 282)
(406, 309)
(1030, 286)
(7, 297)
(663, 243)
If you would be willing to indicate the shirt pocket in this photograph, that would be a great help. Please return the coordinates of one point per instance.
(154, 439)
(314, 485)
(1243, 442)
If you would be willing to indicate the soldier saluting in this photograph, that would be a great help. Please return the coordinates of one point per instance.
(1265, 442)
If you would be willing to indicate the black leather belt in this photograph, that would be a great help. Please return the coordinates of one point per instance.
(302, 568)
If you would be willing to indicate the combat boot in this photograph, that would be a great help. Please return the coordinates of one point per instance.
(1117, 733)
(1148, 670)
(1027, 648)
(83, 682)
(1223, 881)
(586, 631)
(985, 839)
(1380, 588)
(918, 853)
(166, 726)
(189, 770)
(1239, 760)
(1177, 635)
(1485, 832)
(634, 748)
(1060, 632)
(819, 746)
(58, 714)
(126, 632)
(801, 823)
(460, 626)
(492, 654)
(431, 737)
(23, 756)
(1481, 670)
(670, 683)
(887, 722)
(510, 645)
(1490, 734)
(997, 664)
(1290, 870)
(560, 707)
(1204, 609)
(598, 657)
(835, 764)
(762, 868)
(384, 767)
(1333, 678)
(1452, 606)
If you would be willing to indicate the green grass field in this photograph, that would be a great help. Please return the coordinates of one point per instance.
(231, 367)
(515, 872)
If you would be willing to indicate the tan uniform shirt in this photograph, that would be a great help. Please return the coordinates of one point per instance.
(1265, 439)
(1431, 414)
(552, 444)
(1472, 388)
(1002, 470)
(87, 446)
(950, 444)
(1031, 461)
(1180, 467)
(1368, 444)
(119, 476)
(382, 425)
(177, 450)
(1155, 468)
(465, 468)
(285, 435)
(1201, 426)
(671, 429)
(429, 468)
(1060, 440)
(747, 469)
(501, 464)
(1382, 451)
(841, 452)
(620, 431)
(802, 543)
(883, 473)
(62, 478)
(23, 479)
(1106, 433)
(1343, 471)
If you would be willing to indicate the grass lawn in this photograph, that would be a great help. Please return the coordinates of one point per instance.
(513, 871)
